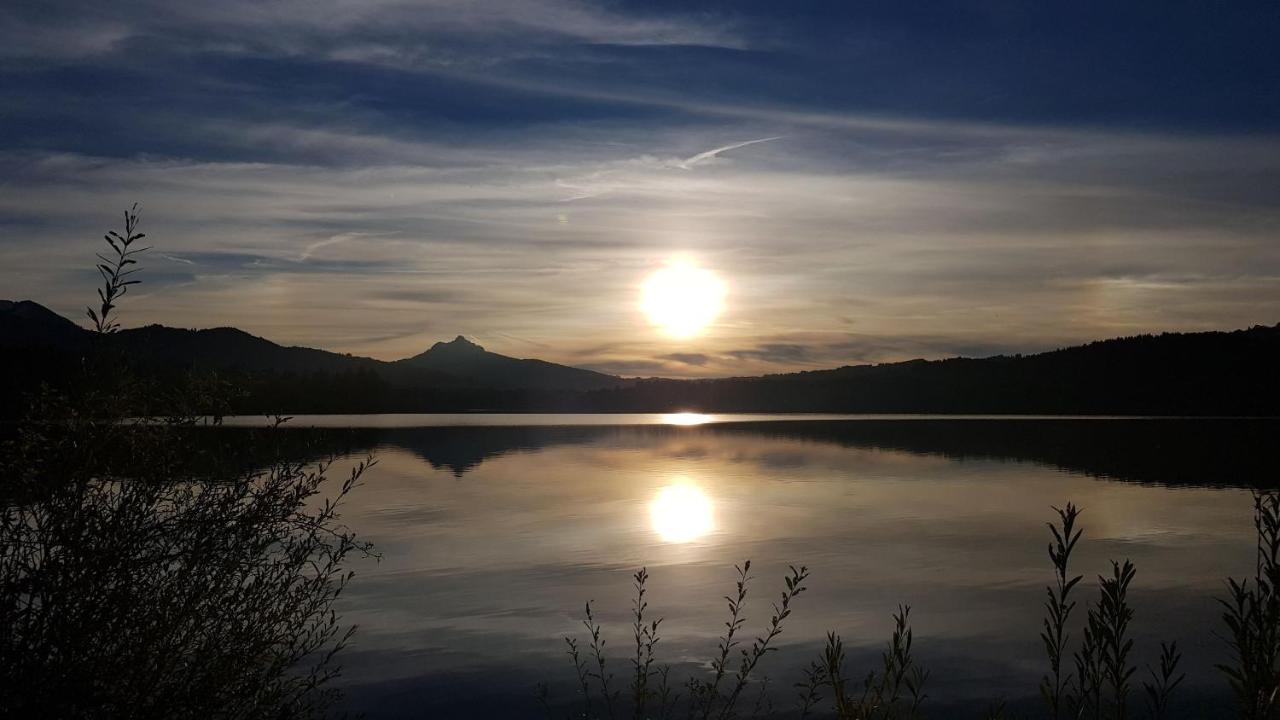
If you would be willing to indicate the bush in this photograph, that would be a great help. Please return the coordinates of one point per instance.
(144, 575)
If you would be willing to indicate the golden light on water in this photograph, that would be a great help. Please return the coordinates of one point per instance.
(682, 299)
(681, 513)
(685, 418)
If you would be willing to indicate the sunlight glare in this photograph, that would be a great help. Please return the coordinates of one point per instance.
(685, 418)
(682, 299)
(681, 513)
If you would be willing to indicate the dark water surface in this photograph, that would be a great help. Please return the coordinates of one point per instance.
(493, 535)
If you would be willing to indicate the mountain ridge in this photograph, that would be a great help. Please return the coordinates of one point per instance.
(461, 355)
(1201, 373)
(459, 362)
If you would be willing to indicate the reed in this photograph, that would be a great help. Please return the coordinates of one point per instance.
(1163, 681)
(1058, 606)
(1251, 613)
(1109, 619)
(1087, 699)
(646, 639)
(651, 686)
(584, 676)
(600, 673)
(882, 694)
(1090, 679)
(706, 694)
(751, 657)
(809, 691)
(116, 272)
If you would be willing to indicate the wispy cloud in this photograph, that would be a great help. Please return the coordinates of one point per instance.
(697, 359)
(373, 177)
(702, 157)
(379, 30)
(337, 239)
(786, 353)
(1078, 242)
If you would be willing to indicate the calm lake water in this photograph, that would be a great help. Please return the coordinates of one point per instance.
(494, 531)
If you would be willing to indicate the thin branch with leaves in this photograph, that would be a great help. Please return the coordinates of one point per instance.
(116, 271)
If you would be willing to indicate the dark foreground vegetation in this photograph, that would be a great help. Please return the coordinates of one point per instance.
(1091, 671)
(146, 576)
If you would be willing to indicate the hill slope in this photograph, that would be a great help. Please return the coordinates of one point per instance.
(30, 326)
(463, 358)
(1207, 373)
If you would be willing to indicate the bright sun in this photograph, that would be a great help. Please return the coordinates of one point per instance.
(681, 513)
(682, 299)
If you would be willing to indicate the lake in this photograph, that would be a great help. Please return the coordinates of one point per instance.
(495, 530)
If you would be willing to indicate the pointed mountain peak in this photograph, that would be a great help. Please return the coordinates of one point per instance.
(34, 312)
(458, 344)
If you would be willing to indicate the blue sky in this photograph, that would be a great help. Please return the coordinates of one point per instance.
(369, 177)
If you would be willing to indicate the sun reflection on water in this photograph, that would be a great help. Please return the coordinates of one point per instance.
(685, 418)
(681, 513)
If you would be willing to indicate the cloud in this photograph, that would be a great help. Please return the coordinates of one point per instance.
(629, 368)
(926, 256)
(376, 31)
(773, 353)
(338, 239)
(698, 359)
(708, 155)
(373, 177)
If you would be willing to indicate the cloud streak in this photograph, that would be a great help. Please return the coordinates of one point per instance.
(1061, 247)
(374, 31)
(690, 162)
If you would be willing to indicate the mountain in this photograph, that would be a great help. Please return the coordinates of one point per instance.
(1204, 373)
(454, 365)
(231, 349)
(1194, 374)
(29, 324)
(462, 358)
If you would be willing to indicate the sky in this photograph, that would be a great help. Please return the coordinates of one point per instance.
(931, 179)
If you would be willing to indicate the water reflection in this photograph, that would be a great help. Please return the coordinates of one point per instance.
(682, 513)
(685, 418)
(1172, 451)
(480, 577)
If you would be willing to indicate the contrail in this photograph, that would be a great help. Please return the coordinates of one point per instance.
(334, 240)
(688, 163)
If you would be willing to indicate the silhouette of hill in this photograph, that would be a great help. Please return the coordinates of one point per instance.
(282, 377)
(462, 358)
(29, 324)
(1194, 374)
(229, 348)
(1205, 373)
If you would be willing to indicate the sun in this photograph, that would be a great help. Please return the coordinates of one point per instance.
(682, 299)
(681, 513)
